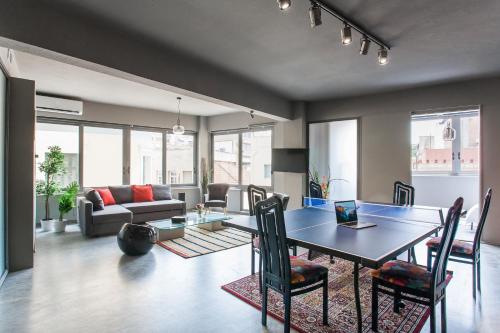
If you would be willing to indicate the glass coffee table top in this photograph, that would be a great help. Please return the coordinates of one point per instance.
(193, 220)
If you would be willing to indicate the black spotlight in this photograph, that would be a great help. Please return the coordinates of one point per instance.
(284, 4)
(252, 115)
(315, 14)
(346, 35)
(383, 56)
(365, 45)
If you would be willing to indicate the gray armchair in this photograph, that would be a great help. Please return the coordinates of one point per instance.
(217, 196)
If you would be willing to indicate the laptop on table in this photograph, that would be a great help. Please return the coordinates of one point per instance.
(347, 215)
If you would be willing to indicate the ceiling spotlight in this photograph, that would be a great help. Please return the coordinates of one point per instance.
(252, 115)
(383, 57)
(284, 4)
(365, 45)
(315, 14)
(346, 34)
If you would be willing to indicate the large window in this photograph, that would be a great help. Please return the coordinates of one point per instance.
(241, 158)
(146, 162)
(433, 153)
(180, 159)
(64, 136)
(256, 157)
(103, 156)
(226, 161)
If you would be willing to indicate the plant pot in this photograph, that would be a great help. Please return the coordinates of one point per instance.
(46, 224)
(59, 226)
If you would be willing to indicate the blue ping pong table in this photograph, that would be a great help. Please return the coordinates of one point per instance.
(398, 228)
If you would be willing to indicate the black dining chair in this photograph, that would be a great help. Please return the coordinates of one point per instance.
(287, 276)
(465, 252)
(404, 195)
(315, 190)
(407, 281)
(256, 194)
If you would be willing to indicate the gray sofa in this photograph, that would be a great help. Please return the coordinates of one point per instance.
(109, 220)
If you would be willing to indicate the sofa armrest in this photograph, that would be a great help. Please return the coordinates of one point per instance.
(85, 209)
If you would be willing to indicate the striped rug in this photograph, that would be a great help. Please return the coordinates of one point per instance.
(197, 241)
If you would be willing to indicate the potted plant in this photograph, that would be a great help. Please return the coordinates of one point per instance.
(51, 167)
(66, 204)
(205, 178)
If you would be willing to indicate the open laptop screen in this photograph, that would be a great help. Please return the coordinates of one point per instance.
(346, 211)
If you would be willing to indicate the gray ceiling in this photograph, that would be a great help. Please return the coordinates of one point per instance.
(432, 41)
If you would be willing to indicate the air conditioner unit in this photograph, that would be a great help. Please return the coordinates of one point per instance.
(59, 105)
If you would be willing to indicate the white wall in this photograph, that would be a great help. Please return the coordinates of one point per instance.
(442, 190)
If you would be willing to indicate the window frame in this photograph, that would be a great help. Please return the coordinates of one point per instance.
(455, 115)
(126, 154)
(242, 187)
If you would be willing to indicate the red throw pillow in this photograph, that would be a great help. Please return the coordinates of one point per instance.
(106, 196)
(142, 193)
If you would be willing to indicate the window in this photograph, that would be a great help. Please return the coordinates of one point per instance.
(146, 159)
(226, 158)
(430, 153)
(256, 156)
(180, 158)
(103, 156)
(67, 138)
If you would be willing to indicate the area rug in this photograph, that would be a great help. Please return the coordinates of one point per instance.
(197, 241)
(306, 310)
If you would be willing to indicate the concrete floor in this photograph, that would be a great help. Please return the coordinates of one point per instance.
(87, 285)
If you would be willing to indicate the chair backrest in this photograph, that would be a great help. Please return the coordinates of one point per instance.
(482, 220)
(285, 198)
(273, 244)
(403, 194)
(217, 191)
(444, 249)
(315, 190)
(255, 194)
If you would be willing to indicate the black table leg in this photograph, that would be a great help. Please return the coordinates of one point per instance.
(356, 296)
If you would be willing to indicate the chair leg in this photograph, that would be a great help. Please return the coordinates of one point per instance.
(474, 268)
(429, 259)
(478, 267)
(294, 250)
(397, 301)
(374, 305)
(287, 298)
(252, 257)
(260, 274)
(325, 301)
(264, 305)
(443, 314)
(332, 261)
(433, 317)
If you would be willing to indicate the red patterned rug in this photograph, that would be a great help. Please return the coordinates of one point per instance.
(307, 308)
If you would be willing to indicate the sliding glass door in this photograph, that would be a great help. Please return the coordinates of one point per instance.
(3, 229)
(333, 156)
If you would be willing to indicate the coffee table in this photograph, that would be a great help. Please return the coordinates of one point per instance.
(166, 229)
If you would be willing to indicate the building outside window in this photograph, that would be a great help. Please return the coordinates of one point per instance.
(180, 158)
(146, 157)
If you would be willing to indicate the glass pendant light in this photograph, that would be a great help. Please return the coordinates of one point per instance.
(178, 128)
(449, 132)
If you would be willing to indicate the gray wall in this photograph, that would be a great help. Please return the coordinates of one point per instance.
(109, 113)
(20, 171)
(385, 134)
(88, 43)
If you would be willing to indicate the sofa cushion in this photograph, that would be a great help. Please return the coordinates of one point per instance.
(122, 194)
(112, 214)
(94, 197)
(142, 193)
(162, 192)
(154, 206)
(107, 197)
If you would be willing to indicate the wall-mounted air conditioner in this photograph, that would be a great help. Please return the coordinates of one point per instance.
(59, 105)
